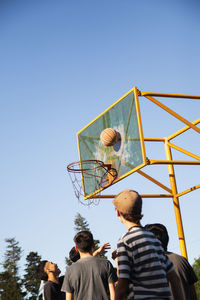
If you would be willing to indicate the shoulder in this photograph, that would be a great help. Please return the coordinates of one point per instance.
(176, 258)
(81, 264)
(100, 261)
(105, 262)
(179, 261)
(49, 288)
(135, 234)
(48, 284)
(70, 269)
(183, 267)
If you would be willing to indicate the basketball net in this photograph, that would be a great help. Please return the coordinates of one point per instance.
(93, 172)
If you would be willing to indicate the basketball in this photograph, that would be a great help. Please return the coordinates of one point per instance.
(109, 137)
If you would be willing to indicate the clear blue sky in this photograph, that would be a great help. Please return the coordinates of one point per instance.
(61, 64)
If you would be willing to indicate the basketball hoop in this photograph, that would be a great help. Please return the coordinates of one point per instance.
(91, 173)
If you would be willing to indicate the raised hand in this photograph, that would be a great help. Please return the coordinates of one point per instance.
(102, 249)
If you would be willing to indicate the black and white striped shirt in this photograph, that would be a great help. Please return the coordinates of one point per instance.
(142, 260)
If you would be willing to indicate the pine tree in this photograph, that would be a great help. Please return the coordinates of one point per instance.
(196, 267)
(10, 283)
(80, 224)
(68, 261)
(31, 281)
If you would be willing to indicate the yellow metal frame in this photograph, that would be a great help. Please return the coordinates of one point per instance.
(168, 145)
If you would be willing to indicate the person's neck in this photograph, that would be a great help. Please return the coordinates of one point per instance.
(83, 254)
(129, 224)
(52, 277)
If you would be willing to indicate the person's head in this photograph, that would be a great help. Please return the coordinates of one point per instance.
(42, 274)
(160, 231)
(47, 268)
(74, 255)
(128, 204)
(84, 241)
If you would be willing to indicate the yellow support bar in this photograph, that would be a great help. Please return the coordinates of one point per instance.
(184, 151)
(154, 181)
(176, 202)
(139, 123)
(168, 95)
(189, 190)
(172, 136)
(154, 140)
(142, 195)
(173, 113)
(173, 162)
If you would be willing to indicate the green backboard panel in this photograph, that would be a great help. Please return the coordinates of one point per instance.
(126, 154)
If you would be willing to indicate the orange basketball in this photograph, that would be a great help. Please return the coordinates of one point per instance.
(109, 137)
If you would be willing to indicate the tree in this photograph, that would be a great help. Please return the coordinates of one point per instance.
(31, 281)
(196, 267)
(80, 224)
(10, 283)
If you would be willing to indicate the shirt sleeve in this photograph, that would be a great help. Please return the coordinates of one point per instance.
(67, 286)
(112, 276)
(169, 265)
(49, 292)
(123, 260)
(191, 276)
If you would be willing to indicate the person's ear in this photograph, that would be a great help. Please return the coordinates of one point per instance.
(76, 248)
(46, 268)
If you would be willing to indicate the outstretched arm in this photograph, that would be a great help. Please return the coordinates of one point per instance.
(102, 249)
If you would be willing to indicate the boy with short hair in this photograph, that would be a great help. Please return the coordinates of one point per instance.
(90, 277)
(143, 267)
(50, 272)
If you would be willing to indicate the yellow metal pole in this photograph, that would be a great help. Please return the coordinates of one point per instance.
(189, 190)
(154, 180)
(173, 162)
(139, 123)
(184, 151)
(172, 136)
(168, 95)
(142, 195)
(173, 113)
(176, 201)
(154, 140)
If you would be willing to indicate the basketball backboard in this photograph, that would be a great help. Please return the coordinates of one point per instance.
(128, 154)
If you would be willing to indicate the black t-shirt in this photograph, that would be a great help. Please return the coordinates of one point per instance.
(185, 272)
(52, 290)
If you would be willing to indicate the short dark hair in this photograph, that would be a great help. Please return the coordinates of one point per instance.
(74, 255)
(132, 218)
(41, 273)
(160, 231)
(84, 241)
